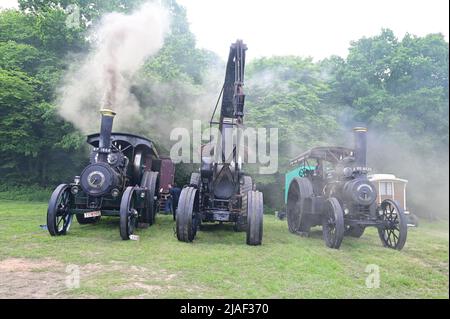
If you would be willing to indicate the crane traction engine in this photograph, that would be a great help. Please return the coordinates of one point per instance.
(220, 192)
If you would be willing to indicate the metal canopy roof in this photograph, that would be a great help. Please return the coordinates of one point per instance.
(133, 140)
(327, 153)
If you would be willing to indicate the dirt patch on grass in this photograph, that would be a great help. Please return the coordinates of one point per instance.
(45, 278)
(29, 278)
(146, 282)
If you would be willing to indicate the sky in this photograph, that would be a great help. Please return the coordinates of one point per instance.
(316, 28)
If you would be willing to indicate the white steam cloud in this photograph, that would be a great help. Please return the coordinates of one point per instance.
(122, 43)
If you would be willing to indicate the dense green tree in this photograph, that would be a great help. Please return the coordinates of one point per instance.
(31, 132)
(382, 77)
(288, 93)
(89, 10)
(399, 89)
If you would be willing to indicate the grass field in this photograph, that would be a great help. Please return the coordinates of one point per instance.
(217, 265)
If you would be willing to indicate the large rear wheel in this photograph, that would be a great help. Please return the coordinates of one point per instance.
(300, 189)
(333, 223)
(255, 214)
(128, 213)
(59, 218)
(241, 222)
(394, 231)
(150, 181)
(186, 216)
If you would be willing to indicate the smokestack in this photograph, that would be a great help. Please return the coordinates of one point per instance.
(104, 144)
(360, 146)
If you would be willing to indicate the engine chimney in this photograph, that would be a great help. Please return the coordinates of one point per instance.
(360, 146)
(104, 144)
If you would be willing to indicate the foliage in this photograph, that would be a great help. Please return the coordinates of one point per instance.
(34, 193)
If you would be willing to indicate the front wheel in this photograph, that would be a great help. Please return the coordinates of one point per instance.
(255, 213)
(59, 218)
(395, 228)
(333, 223)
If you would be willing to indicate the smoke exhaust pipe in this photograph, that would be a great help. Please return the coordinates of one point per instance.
(360, 146)
(104, 144)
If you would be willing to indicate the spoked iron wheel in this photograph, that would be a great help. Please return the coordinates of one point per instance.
(333, 223)
(128, 213)
(393, 233)
(299, 190)
(59, 218)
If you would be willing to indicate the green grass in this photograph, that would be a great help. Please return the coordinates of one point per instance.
(24, 193)
(220, 265)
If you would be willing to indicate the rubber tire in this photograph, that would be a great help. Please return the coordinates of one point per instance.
(150, 180)
(354, 231)
(339, 224)
(255, 215)
(241, 224)
(125, 231)
(186, 224)
(195, 180)
(403, 227)
(52, 210)
(293, 213)
(85, 221)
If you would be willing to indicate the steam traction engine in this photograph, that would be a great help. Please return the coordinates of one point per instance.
(220, 191)
(328, 186)
(122, 180)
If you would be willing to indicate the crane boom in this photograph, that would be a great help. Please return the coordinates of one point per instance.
(233, 93)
